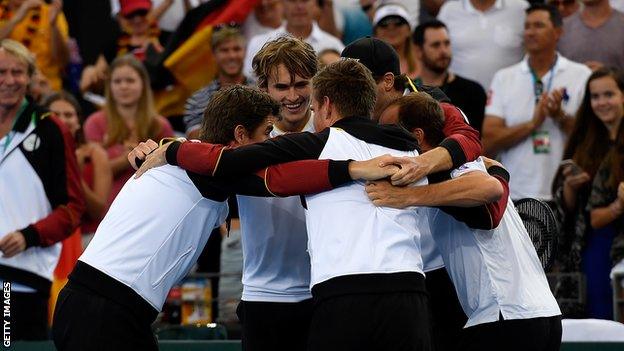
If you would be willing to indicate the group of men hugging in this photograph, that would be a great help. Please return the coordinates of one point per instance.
(369, 220)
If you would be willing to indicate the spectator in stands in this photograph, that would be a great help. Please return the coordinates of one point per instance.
(530, 104)
(135, 31)
(356, 22)
(598, 119)
(95, 169)
(328, 56)
(566, 7)
(127, 118)
(139, 27)
(299, 24)
(41, 201)
(266, 17)
(429, 10)
(228, 50)
(39, 88)
(392, 24)
(433, 50)
(42, 28)
(606, 199)
(486, 36)
(328, 17)
(592, 35)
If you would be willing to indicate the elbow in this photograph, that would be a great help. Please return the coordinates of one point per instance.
(493, 190)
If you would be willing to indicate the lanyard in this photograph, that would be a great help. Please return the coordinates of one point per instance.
(538, 85)
(11, 133)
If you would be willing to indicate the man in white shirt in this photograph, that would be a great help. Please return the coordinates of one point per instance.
(496, 272)
(486, 36)
(299, 24)
(266, 17)
(276, 305)
(531, 105)
(157, 226)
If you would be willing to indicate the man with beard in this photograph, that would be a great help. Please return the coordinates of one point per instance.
(433, 49)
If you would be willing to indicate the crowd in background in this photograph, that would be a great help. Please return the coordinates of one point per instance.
(540, 89)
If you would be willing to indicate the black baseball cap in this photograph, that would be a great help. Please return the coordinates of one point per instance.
(378, 56)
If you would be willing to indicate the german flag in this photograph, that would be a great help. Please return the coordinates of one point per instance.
(186, 64)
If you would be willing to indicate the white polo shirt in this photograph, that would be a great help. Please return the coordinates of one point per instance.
(532, 167)
(494, 271)
(484, 42)
(319, 39)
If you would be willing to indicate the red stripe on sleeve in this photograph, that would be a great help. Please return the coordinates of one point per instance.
(200, 158)
(456, 128)
(497, 209)
(297, 178)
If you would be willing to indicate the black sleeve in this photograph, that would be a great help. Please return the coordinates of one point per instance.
(284, 148)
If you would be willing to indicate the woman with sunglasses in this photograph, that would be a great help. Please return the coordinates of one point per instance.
(128, 116)
(392, 24)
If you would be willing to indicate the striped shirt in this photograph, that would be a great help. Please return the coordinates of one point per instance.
(196, 104)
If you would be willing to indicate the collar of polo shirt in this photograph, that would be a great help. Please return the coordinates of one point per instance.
(499, 4)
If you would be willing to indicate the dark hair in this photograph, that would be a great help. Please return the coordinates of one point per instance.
(349, 85)
(69, 98)
(587, 144)
(232, 106)
(420, 110)
(419, 33)
(555, 15)
(298, 57)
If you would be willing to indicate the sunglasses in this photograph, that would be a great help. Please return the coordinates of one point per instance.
(392, 20)
(221, 26)
(562, 2)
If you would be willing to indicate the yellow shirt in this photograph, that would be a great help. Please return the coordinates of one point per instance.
(35, 33)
